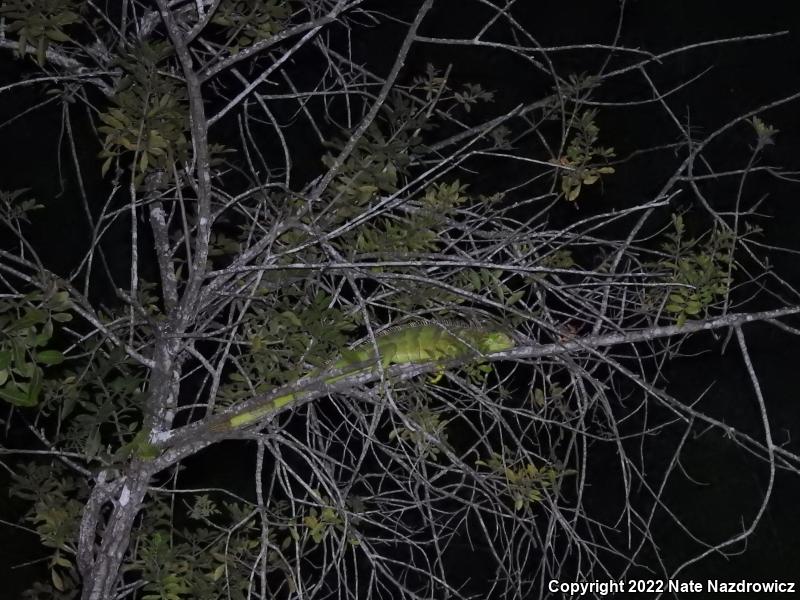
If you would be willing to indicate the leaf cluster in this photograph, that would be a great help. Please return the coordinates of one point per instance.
(39, 23)
(281, 340)
(250, 21)
(525, 482)
(428, 423)
(211, 556)
(15, 208)
(26, 328)
(764, 132)
(699, 270)
(493, 283)
(372, 167)
(108, 403)
(471, 94)
(150, 116)
(56, 504)
(579, 159)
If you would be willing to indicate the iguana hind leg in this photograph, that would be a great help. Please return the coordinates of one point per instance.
(437, 376)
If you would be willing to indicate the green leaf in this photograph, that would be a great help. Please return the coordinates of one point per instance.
(35, 386)
(61, 562)
(41, 48)
(92, 444)
(18, 351)
(45, 334)
(50, 357)
(5, 359)
(31, 317)
(70, 401)
(292, 318)
(23, 42)
(59, 301)
(58, 583)
(515, 297)
(218, 572)
(24, 368)
(15, 396)
(57, 35)
(692, 308)
(106, 166)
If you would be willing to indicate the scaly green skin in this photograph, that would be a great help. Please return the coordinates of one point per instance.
(420, 343)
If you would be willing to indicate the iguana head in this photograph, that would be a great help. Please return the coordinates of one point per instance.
(495, 341)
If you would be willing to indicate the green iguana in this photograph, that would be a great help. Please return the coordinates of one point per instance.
(420, 342)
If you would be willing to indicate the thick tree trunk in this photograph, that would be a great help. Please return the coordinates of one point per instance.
(101, 572)
(100, 565)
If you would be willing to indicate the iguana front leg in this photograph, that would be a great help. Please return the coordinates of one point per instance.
(437, 376)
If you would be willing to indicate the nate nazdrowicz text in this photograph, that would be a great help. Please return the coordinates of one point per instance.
(576, 589)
